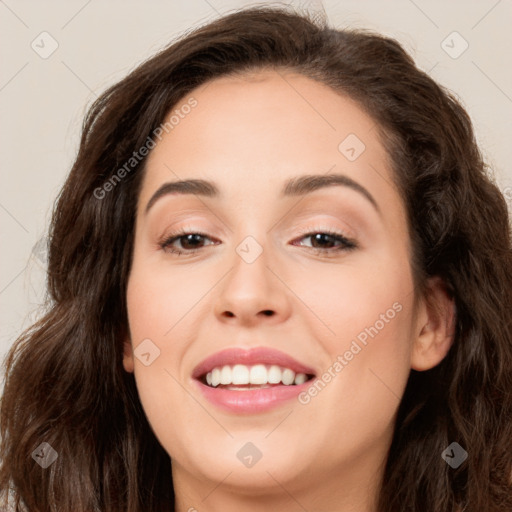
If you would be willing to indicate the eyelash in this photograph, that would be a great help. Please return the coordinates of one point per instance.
(347, 244)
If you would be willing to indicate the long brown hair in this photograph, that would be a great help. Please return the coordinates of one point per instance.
(65, 383)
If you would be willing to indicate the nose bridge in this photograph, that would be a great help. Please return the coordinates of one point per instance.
(250, 274)
(251, 288)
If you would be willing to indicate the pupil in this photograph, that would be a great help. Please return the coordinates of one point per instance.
(192, 238)
(321, 237)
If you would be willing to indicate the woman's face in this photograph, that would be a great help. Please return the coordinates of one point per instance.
(267, 296)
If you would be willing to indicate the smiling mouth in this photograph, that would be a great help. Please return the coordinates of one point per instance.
(240, 377)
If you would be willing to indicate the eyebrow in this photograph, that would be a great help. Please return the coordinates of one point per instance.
(298, 186)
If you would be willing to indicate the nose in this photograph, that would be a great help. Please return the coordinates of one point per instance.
(253, 293)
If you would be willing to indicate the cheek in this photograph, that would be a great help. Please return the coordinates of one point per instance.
(365, 298)
(157, 317)
(373, 367)
(366, 325)
(162, 303)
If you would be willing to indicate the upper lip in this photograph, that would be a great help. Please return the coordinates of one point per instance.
(258, 355)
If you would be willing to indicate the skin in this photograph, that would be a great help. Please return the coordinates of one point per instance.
(249, 134)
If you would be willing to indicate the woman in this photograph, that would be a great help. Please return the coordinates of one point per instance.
(280, 280)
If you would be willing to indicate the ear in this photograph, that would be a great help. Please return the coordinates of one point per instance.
(436, 326)
(128, 355)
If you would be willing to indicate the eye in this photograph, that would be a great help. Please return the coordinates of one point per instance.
(190, 242)
(325, 241)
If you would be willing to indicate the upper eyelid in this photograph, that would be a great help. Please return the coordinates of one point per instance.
(181, 232)
(318, 229)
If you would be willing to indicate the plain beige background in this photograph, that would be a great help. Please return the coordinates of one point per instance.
(43, 97)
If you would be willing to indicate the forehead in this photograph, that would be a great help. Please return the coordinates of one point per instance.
(257, 130)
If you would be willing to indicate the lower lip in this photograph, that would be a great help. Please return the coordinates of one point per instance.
(252, 400)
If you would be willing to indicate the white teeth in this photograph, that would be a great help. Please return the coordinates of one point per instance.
(215, 377)
(240, 374)
(300, 378)
(288, 376)
(225, 375)
(258, 375)
(274, 375)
